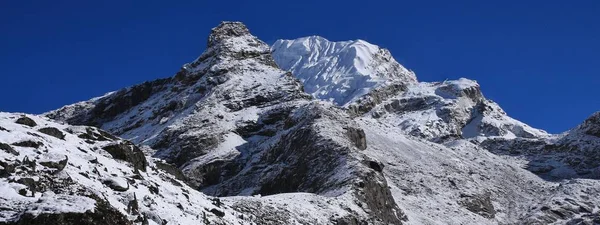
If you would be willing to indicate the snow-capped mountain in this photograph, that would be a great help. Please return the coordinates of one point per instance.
(469, 128)
(339, 71)
(306, 131)
(366, 79)
(237, 125)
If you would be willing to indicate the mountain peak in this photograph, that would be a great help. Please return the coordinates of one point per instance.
(591, 126)
(226, 30)
(228, 42)
(341, 71)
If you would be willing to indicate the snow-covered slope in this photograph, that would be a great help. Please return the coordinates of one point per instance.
(339, 71)
(448, 110)
(61, 174)
(462, 183)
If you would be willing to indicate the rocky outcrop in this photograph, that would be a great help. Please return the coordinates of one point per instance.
(29, 144)
(53, 161)
(480, 204)
(357, 136)
(7, 148)
(366, 103)
(591, 126)
(52, 131)
(26, 121)
(128, 152)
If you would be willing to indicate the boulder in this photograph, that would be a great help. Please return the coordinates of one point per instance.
(29, 143)
(128, 152)
(54, 132)
(26, 121)
(7, 148)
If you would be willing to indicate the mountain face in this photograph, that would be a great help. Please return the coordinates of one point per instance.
(237, 125)
(456, 115)
(52, 173)
(306, 131)
(339, 72)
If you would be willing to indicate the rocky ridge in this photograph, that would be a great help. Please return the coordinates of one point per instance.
(240, 126)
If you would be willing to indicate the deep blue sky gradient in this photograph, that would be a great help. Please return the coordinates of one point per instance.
(538, 59)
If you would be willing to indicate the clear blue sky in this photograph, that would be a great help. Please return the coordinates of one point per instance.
(538, 59)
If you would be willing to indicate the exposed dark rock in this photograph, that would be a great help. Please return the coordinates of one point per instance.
(128, 152)
(375, 165)
(406, 105)
(211, 173)
(350, 220)
(97, 135)
(127, 98)
(248, 129)
(103, 214)
(4, 129)
(480, 204)
(370, 100)
(591, 126)
(31, 164)
(54, 132)
(26, 121)
(30, 183)
(187, 148)
(171, 169)
(133, 207)
(357, 136)
(303, 157)
(7, 168)
(8, 148)
(29, 143)
(377, 196)
(58, 165)
(217, 212)
(226, 30)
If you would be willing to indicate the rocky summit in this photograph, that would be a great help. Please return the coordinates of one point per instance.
(307, 131)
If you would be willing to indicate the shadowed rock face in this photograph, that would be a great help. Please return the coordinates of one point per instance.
(306, 155)
(128, 152)
(591, 126)
(357, 136)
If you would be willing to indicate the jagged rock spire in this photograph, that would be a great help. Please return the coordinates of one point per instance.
(591, 126)
(231, 41)
(227, 30)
